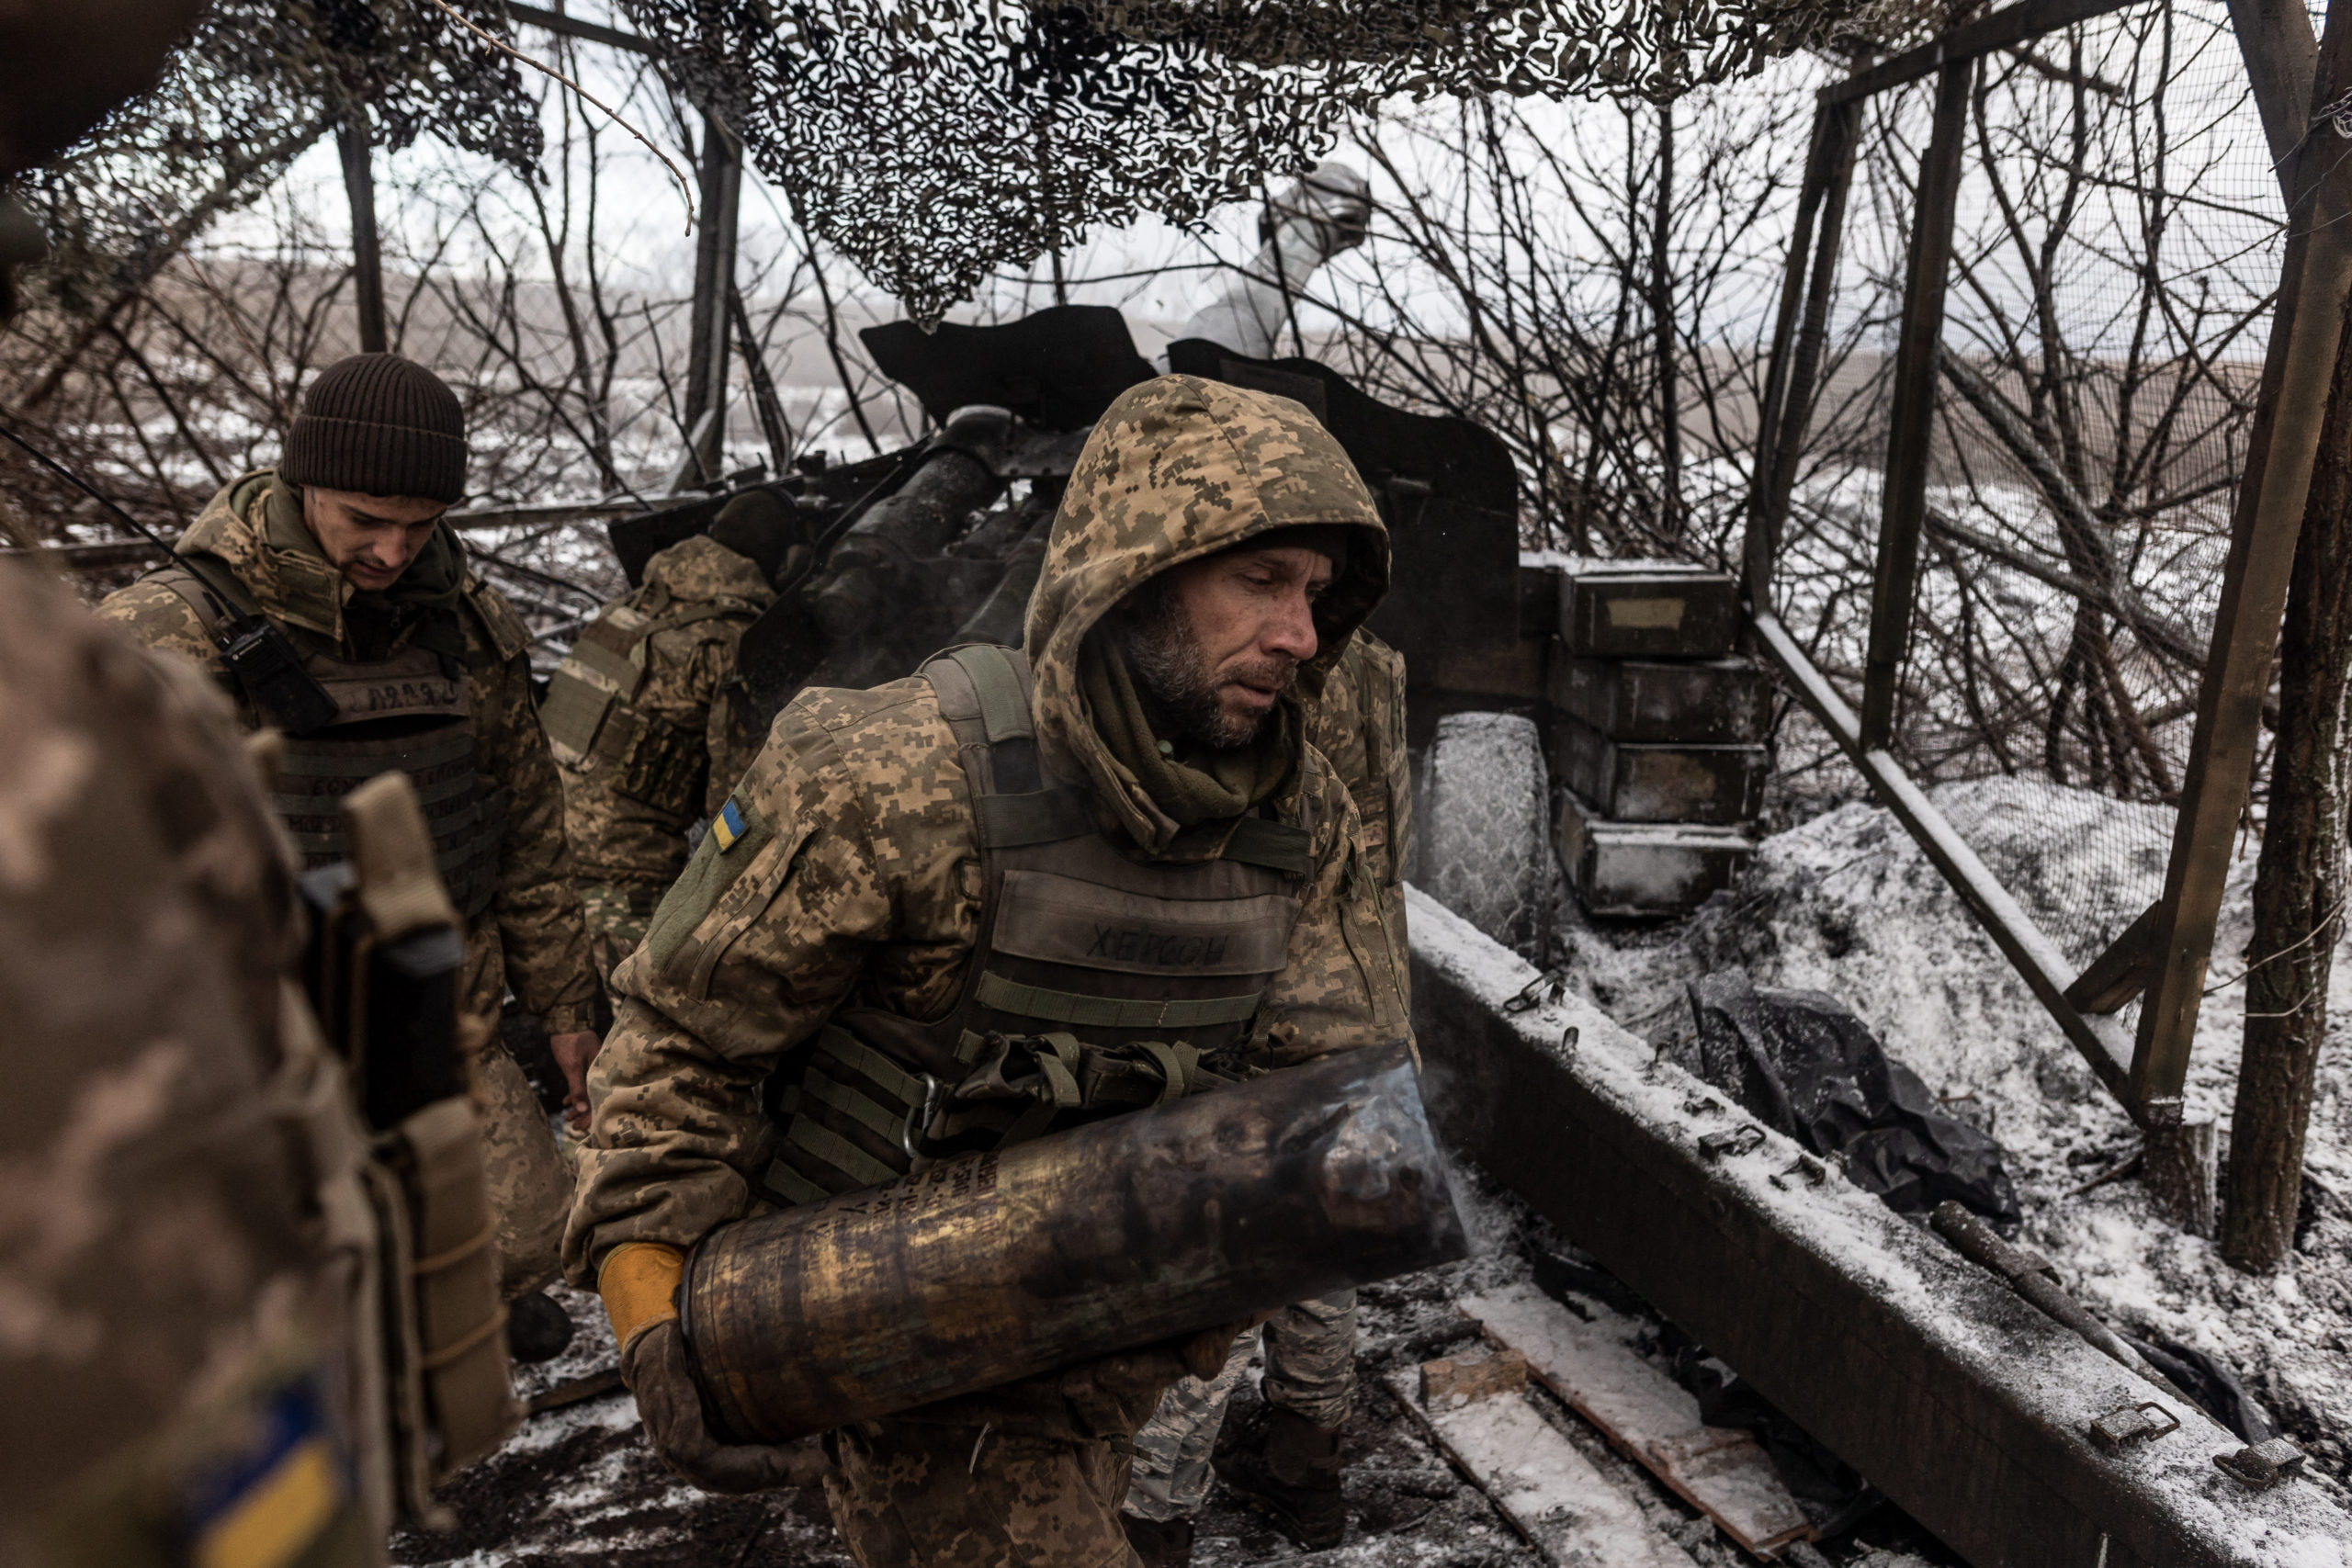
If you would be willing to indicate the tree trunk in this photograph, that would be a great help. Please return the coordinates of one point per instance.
(1670, 396)
(354, 142)
(2299, 880)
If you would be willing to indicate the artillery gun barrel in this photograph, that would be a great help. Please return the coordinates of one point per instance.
(1123, 1233)
(916, 521)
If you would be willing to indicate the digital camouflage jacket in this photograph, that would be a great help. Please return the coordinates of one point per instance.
(629, 798)
(856, 880)
(531, 936)
(1359, 724)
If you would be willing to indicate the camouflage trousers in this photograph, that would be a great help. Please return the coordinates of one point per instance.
(529, 1180)
(908, 1495)
(618, 916)
(1310, 1369)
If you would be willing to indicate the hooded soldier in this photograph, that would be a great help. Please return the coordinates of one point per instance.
(1121, 838)
(647, 737)
(339, 561)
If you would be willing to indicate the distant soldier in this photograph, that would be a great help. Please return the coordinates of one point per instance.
(647, 737)
(1294, 1472)
(333, 604)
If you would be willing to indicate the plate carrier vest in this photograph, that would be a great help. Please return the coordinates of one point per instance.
(410, 713)
(591, 721)
(1099, 982)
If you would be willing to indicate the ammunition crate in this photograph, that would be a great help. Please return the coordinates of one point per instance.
(1718, 702)
(1635, 782)
(1647, 610)
(1621, 868)
(1519, 673)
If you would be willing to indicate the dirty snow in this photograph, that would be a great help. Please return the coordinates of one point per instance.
(1846, 903)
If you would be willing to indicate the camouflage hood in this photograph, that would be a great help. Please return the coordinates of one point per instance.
(1178, 469)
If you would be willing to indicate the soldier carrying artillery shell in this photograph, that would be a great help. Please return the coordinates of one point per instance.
(906, 937)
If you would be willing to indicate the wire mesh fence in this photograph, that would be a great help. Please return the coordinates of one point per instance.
(2117, 247)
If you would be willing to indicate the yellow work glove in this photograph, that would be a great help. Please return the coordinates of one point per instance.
(639, 1281)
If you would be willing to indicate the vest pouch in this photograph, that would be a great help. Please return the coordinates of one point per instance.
(451, 1399)
(662, 766)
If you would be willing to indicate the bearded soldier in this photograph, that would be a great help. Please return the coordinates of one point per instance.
(1008, 894)
(1293, 1470)
(334, 603)
(643, 719)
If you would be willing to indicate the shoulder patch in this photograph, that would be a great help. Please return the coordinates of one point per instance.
(728, 847)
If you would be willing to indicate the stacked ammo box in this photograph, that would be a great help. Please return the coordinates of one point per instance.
(1657, 739)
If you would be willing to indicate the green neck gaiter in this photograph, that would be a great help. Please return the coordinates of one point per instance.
(426, 593)
(1190, 785)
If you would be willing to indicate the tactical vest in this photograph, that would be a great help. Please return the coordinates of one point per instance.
(591, 721)
(411, 714)
(1099, 983)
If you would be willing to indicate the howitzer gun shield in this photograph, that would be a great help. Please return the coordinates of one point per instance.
(1121, 1233)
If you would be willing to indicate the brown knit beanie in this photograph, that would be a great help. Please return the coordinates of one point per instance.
(381, 425)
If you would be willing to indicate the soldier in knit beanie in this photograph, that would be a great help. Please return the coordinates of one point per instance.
(378, 424)
(424, 669)
(376, 455)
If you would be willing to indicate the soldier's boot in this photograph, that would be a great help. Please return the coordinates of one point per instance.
(1295, 1478)
(1161, 1543)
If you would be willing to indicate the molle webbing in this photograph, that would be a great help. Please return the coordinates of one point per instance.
(1110, 1012)
(407, 693)
(1099, 982)
(592, 723)
(467, 821)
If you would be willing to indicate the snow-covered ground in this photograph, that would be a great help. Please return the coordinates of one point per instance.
(1846, 903)
(1842, 902)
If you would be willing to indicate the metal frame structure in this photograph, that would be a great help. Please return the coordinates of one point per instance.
(2164, 954)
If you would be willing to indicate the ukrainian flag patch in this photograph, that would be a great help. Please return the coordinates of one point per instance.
(728, 825)
(265, 1507)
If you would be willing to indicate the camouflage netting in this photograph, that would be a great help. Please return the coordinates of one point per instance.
(257, 83)
(933, 141)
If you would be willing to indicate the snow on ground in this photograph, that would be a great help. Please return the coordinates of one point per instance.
(1846, 903)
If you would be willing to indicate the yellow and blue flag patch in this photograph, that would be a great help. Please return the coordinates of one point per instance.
(728, 825)
(267, 1504)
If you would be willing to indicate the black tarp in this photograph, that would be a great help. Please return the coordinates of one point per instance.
(1803, 1064)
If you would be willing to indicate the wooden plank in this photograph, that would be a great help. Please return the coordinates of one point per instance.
(1548, 1491)
(1780, 448)
(1957, 1397)
(1457, 1380)
(2281, 53)
(1755, 552)
(1911, 417)
(2035, 958)
(2296, 379)
(1593, 1365)
(2000, 31)
(2120, 972)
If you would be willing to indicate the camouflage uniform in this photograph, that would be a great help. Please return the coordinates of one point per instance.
(186, 1244)
(529, 935)
(639, 767)
(1359, 724)
(855, 881)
